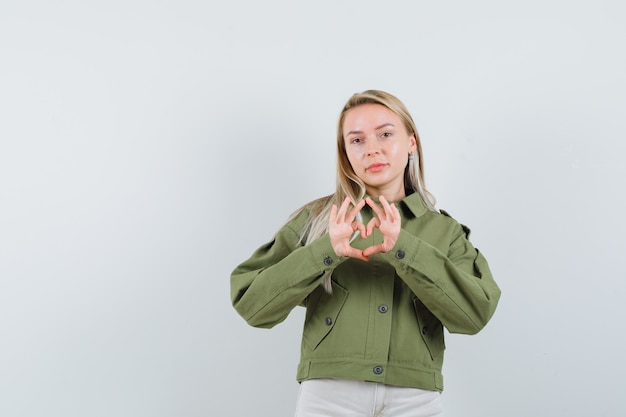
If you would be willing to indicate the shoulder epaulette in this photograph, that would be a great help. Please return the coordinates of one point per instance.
(465, 228)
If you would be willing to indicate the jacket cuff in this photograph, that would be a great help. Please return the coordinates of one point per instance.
(404, 251)
(324, 255)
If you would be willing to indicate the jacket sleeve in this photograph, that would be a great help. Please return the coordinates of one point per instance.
(279, 276)
(457, 287)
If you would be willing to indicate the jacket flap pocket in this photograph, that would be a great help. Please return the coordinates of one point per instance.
(430, 329)
(322, 312)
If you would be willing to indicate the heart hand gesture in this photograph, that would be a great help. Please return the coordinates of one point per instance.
(342, 225)
(388, 221)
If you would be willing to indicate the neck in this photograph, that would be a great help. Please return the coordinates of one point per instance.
(390, 194)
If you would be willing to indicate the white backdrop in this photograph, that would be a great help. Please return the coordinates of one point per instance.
(148, 147)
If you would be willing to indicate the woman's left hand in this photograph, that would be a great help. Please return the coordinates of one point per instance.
(388, 221)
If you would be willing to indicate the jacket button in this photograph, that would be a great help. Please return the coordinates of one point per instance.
(328, 261)
(400, 254)
(328, 321)
(378, 370)
(425, 330)
(382, 308)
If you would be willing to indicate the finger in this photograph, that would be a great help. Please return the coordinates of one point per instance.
(373, 250)
(385, 204)
(375, 222)
(357, 225)
(391, 210)
(379, 212)
(355, 253)
(396, 212)
(355, 210)
(341, 214)
(333, 214)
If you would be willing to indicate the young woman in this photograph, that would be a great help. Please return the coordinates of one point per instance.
(379, 270)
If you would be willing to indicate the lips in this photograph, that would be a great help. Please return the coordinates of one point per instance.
(376, 167)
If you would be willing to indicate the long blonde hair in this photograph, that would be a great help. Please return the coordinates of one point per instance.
(349, 184)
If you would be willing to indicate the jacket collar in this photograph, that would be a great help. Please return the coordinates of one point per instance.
(414, 204)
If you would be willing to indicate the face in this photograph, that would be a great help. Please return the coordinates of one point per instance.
(378, 147)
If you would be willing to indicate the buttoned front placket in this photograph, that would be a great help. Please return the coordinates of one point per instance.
(381, 284)
(379, 320)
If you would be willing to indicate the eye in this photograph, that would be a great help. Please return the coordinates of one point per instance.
(385, 135)
(356, 140)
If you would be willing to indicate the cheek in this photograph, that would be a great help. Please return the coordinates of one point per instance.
(399, 152)
(353, 156)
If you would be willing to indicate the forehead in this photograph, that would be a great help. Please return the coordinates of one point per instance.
(368, 117)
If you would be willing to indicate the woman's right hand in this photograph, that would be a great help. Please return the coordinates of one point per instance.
(341, 226)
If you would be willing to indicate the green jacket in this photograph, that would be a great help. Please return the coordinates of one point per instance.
(384, 320)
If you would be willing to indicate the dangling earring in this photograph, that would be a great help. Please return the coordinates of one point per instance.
(411, 157)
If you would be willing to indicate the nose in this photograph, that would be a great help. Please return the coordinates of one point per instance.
(373, 147)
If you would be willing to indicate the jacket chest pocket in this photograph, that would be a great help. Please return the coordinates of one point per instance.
(322, 313)
(431, 330)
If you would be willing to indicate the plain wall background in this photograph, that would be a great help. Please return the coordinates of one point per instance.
(148, 147)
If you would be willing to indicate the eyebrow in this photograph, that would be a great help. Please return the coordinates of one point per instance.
(352, 132)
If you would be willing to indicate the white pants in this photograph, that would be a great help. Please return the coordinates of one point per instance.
(346, 398)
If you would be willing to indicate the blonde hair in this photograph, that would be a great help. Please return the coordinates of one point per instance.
(349, 184)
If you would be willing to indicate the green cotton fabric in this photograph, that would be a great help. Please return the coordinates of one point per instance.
(384, 320)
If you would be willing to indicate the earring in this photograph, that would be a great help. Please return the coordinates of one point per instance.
(411, 157)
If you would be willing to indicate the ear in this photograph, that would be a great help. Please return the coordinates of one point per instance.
(412, 143)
